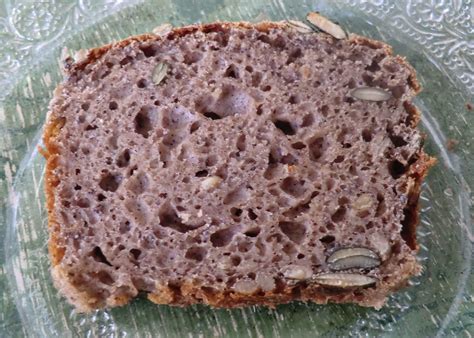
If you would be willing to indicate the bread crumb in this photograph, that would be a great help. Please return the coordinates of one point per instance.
(451, 144)
(469, 106)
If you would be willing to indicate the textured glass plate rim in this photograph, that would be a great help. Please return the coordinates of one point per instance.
(431, 126)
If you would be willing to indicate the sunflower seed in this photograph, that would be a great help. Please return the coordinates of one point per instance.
(353, 258)
(344, 280)
(163, 29)
(298, 272)
(299, 26)
(326, 25)
(370, 94)
(159, 72)
(363, 202)
(211, 182)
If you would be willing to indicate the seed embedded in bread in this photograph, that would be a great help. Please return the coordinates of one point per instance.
(370, 94)
(210, 182)
(344, 280)
(353, 258)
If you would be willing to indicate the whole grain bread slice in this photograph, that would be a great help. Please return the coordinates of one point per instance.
(234, 164)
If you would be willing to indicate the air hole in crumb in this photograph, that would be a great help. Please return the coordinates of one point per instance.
(264, 38)
(398, 91)
(316, 148)
(285, 127)
(123, 159)
(252, 215)
(363, 213)
(289, 159)
(396, 169)
(294, 99)
(169, 219)
(222, 237)
(196, 253)
(101, 197)
(85, 106)
(398, 141)
(148, 50)
(249, 69)
(236, 260)
(408, 231)
(212, 116)
(367, 135)
(135, 253)
(138, 184)
(293, 230)
(256, 79)
(143, 123)
(381, 208)
(236, 196)
(113, 105)
(194, 126)
(105, 278)
(90, 127)
(99, 256)
(298, 145)
(138, 210)
(300, 256)
(330, 184)
(110, 182)
(339, 159)
(77, 187)
(126, 60)
(373, 67)
(339, 215)
(308, 120)
(253, 232)
(201, 173)
(192, 57)
(324, 110)
(259, 110)
(236, 212)
(241, 142)
(244, 246)
(83, 203)
(142, 83)
(232, 71)
(328, 239)
(267, 88)
(293, 186)
(211, 161)
(294, 54)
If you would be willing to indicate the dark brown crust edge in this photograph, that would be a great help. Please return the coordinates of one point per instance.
(188, 293)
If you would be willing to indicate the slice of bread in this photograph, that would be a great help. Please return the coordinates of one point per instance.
(234, 164)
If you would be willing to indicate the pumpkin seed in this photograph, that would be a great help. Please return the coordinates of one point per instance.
(344, 280)
(159, 72)
(299, 26)
(370, 94)
(326, 25)
(353, 258)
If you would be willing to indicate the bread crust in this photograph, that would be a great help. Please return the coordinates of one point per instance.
(191, 292)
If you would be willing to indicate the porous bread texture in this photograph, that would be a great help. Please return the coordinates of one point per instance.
(248, 160)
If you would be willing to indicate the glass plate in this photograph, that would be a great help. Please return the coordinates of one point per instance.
(436, 37)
